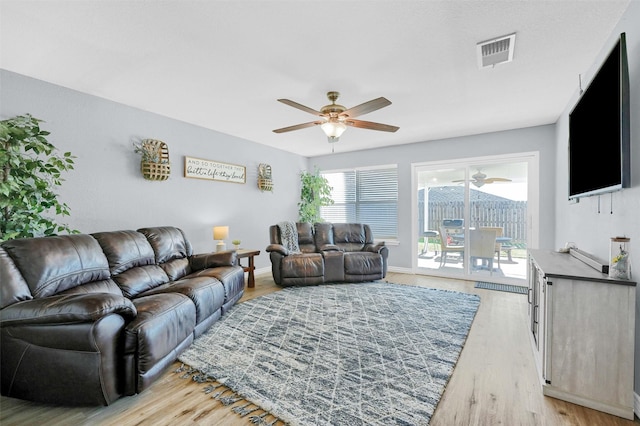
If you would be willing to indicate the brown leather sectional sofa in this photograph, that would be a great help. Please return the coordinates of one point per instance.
(86, 319)
(329, 252)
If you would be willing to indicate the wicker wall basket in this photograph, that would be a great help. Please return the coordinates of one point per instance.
(155, 171)
(265, 184)
(160, 170)
(264, 177)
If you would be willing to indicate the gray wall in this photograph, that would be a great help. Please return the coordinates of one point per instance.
(106, 191)
(540, 139)
(581, 222)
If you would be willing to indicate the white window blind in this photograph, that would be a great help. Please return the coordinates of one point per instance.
(365, 196)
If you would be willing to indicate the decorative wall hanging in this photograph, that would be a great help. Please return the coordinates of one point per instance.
(198, 168)
(154, 164)
(264, 177)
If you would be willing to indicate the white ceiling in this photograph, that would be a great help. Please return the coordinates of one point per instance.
(223, 64)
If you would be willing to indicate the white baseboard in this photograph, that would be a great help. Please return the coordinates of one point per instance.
(399, 270)
(265, 270)
(636, 404)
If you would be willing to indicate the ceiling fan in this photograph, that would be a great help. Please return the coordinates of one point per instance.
(479, 179)
(335, 118)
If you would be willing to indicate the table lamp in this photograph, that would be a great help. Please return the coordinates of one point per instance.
(220, 233)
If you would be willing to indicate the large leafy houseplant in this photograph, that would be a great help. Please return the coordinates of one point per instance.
(30, 171)
(315, 192)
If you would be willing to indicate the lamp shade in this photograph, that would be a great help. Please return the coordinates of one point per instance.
(220, 232)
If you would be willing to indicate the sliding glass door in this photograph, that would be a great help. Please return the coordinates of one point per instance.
(473, 218)
(441, 202)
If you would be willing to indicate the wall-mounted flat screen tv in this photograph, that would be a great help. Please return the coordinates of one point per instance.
(599, 130)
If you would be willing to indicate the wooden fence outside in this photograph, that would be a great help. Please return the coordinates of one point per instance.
(510, 215)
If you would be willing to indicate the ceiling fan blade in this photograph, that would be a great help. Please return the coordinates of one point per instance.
(371, 125)
(300, 106)
(491, 180)
(367, 107)
(298, 126)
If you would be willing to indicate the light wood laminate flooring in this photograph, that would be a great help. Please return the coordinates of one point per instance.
(494, 383)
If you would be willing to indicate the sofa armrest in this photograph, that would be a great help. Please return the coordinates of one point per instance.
(65, 309)
(329, 247)
(377, 248)
(198, 262)
(278, 248)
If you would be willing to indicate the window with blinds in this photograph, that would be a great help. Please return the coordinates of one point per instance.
(365, 196)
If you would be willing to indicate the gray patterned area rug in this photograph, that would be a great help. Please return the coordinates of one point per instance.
(339, 354)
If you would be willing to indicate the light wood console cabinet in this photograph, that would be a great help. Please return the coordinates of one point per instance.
(582, 332)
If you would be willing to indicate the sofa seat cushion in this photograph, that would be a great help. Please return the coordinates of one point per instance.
(206, 293)
(163, 321)
(232, 279)
(362, 263)
(162, 330)
(303, 265)
(302, 269)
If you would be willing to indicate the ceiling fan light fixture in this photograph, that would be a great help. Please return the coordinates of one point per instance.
(335, 118)
(333, 130)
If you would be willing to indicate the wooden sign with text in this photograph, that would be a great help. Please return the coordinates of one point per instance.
(199, 168)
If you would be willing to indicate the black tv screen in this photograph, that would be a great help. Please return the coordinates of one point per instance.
(599, 130)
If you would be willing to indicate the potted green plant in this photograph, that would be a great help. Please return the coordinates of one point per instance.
(315, 192)
(30, 171)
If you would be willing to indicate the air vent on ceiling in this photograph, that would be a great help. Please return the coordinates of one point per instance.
(496, 51)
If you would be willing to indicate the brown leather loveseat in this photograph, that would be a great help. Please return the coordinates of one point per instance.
(328, 252)
(86, 319)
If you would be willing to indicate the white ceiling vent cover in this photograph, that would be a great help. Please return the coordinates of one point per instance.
(496, 51)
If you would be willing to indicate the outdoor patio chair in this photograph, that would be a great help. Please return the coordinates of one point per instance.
(426, 235)
(447, 247)
(498, 230)
(482, 245)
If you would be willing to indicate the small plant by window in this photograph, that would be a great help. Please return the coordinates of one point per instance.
(315, 193)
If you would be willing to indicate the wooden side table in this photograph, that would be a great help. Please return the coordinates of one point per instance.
(242, 253)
